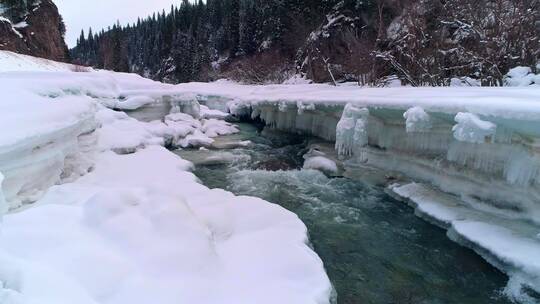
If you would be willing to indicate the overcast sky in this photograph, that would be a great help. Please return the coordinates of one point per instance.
(99, 14)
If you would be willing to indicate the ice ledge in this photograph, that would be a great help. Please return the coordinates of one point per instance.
(509, 244)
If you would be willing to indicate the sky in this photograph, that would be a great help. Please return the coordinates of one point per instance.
(99, 14)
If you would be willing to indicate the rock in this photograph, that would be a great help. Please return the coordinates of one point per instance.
(38, 32)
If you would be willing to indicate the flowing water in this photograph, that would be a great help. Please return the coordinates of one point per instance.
(374, 248)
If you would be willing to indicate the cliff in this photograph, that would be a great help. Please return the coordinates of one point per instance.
(33, 28)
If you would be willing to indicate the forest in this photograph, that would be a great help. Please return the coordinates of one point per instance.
(421, 43)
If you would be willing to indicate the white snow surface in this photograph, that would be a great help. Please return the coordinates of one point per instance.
(115, 217)
(502, 102)
(522, 77)
(140, 229)
(417, 120)
(10, 61)
(470, 128)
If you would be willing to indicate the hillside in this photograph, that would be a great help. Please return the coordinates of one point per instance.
(421, 43)
(33, 28)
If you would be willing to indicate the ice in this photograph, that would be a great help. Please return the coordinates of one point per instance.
(417, 120)
(351, 131)
(214, 128)
(133, 102)
(470, 128)
(208, 113)
(197, 139)
(508, 244)
(3, 204)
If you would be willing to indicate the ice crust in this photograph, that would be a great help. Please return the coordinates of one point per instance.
(115, 217)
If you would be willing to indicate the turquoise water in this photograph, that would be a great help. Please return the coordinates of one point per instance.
(374, 248)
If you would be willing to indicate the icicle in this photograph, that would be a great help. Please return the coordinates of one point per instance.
(346, 138)
(255, 113)
(282, 106)
(522, 169)
(417, 120)
(472, 129)
(3, 203)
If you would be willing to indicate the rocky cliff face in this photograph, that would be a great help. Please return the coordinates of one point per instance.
(34, 28)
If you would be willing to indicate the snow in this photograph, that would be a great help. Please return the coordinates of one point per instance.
(522, 77)
(506, 243)
(472, 129)
(111, 216)
(322, 164)
(208, 113)
(10, 61)
(501, 102)
(140, 229)
(21, 24)
(417, 120)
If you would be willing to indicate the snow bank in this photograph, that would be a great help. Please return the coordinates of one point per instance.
(140, 229)
(510, 245)
(501, 102)
(43, 142)
(132, 226)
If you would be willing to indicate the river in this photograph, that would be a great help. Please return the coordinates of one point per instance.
(374, 248)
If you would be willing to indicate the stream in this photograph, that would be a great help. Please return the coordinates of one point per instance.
(374, 248)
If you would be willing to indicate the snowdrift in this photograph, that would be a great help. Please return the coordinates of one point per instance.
(98, 211)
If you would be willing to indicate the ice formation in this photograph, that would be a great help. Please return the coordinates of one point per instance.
(3, 203)
(417, 120)
(508, 244)
(472, 129)
(351, 130)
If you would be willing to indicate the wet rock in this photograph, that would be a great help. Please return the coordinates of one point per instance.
(275, 165)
